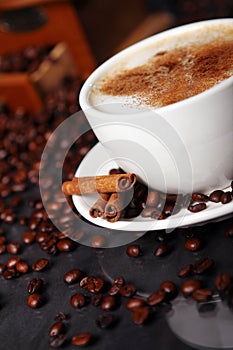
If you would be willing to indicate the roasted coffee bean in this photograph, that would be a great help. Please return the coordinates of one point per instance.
(72, 276)
(35, 285)
(11, 262)
(127, 290)
(77, 300)
(57, 342)
(185, 271)
(169, 288)
(202, 295)
(192, 244)
(56, 329)
(92, 284)
(40, 265)
(229, 232)
(163, 249)
(114, 289)
(13, 248)
(135, 303)
(96, 300)
(65, 245)
(28, 237)
(215, 196)
(81, 339)
(152, 199)
(222, 281)
(22, 266)
(140, 315)
(98, 241)
(203, 265)
(108, 303)
(35, 300)
(60, 316)
(199, 197)
(195, 208)
(2, 240)
(156, 298)
(105, 321)
(9, 274)
(41, 237)
(133, 250)
(119, 281)
(188, 287)
(226, 197)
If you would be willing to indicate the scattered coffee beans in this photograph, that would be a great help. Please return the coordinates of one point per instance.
(35, 300)
(133, 250)
(81, 339)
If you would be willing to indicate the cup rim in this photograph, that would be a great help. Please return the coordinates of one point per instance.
(96, 74)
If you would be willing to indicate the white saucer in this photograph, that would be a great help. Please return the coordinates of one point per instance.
(98, 162)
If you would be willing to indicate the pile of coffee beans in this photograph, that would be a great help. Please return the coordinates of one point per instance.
(26, 60)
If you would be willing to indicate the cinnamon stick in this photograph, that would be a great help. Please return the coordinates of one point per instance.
(99, 184)
(114, 207)
(97, 210)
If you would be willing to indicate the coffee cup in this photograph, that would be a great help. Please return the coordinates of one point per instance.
(184, 146)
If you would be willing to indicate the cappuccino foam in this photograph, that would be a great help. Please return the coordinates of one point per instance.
(170, 70)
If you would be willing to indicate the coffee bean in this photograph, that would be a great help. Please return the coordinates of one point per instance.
(188, 287)
(169, 288)
(140, 315)
(156, 298)
(114, 289)
(226, 197)
(133, 250)
(202, 295)
(193, 244)
(105, 321)
(60, 316)
(56, 329)
(40, 265)
(13, 248)
(35, 285)
(28, 237)
(199, 197)
(148, 212)
(92, 284)
(81, 339)
(185, 271)
(128, 290)
(203, 265)
(96, 300)
(22, 266)
(72, 276)
(11, 262)
(163, 249)
(9, 274)
(222, 281)
(152, 199)
(65, 245)
(77, 300)
(57, 342)
(119, 281)
(134, 303)
(2, 240)
(215, 196)
(98, 241)
(41, 237)
(35, 300)
(108, 303)
(195, 208)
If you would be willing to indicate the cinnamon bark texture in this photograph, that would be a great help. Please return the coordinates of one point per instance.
(99, 184)
(114, 207)
(97, 210)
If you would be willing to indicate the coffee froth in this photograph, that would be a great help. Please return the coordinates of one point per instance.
(170, 70)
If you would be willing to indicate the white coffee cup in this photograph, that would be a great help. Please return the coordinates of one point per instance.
(180, 148)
